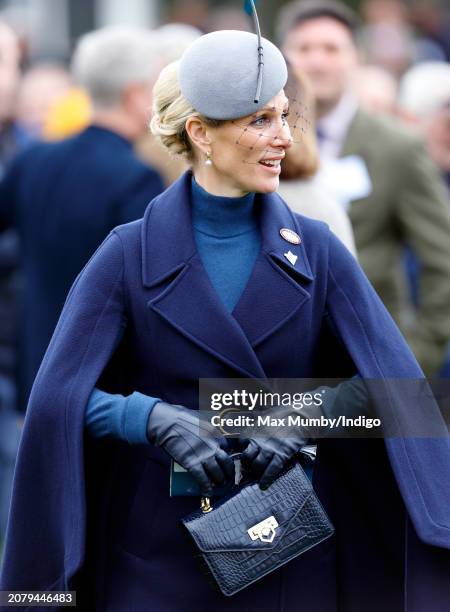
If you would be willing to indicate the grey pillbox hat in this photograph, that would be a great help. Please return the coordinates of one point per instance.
(218, 74)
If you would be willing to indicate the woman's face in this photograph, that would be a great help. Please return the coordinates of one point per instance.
(246, 153)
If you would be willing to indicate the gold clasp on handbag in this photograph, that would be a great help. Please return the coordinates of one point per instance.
(265, 530)
(205, 504)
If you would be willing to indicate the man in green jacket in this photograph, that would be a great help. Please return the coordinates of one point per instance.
(382, 173)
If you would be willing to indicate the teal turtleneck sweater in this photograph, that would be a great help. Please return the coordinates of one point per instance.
(227, 237)
(228, 241)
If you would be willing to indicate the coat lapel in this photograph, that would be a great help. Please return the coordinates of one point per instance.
(187, 299)
(357, 136)
(274, 292)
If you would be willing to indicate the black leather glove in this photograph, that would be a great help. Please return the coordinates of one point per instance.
(193, 443)
(265, 457)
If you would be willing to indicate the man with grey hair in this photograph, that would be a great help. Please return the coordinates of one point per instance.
(382, 174)
(65, 197)
(117, 67)
(425, 100)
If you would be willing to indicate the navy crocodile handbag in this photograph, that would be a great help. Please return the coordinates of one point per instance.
(250, 533)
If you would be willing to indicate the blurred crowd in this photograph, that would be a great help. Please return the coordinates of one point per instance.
(373, 160)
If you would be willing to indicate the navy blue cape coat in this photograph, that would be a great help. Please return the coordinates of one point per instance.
(143, 315)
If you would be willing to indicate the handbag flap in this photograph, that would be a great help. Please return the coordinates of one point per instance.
(226, 527)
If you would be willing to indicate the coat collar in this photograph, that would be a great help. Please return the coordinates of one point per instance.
(168, 239)
(273, 293)
(96, 132)
(167, 236)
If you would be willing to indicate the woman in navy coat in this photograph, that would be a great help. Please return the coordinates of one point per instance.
(220, 280)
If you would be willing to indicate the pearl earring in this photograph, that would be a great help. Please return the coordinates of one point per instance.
(208, 161)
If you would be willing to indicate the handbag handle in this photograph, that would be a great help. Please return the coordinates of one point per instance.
(308, 451)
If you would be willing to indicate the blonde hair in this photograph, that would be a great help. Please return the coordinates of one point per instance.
(171, 110)
(302, 158)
